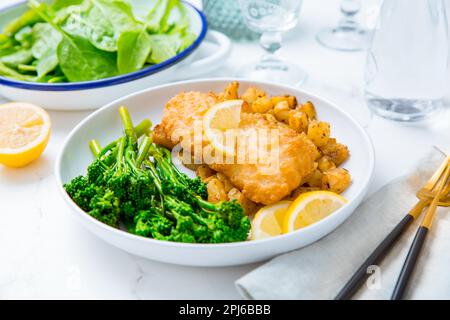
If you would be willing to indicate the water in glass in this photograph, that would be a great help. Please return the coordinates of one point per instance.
(406, 72)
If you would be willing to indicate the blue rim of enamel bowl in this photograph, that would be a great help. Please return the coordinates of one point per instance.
(71, 86)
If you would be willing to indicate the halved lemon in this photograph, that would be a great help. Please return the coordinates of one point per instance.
(268, 221)
(219, 121)
(311, 207)
(24, 133)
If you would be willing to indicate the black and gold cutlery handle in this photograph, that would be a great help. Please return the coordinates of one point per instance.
(361, 274)
(419, 240)
(409, 263)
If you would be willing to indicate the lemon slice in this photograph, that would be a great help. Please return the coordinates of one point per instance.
(24, 133)
(268, 221)
(218, 120)
(311, 207)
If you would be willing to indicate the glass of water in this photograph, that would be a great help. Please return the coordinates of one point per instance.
(272, 18)
(406, 76)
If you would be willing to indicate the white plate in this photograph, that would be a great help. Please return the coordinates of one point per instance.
(206, 54)
(105, 125)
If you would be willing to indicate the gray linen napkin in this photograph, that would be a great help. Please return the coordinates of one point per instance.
(320, 270)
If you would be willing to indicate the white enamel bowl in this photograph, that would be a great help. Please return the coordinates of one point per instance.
(105, 125)
(93, 94)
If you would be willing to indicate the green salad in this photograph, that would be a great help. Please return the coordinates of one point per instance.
(133, 184)
(85, 40)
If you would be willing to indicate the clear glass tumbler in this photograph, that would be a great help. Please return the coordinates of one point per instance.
(272, 18)
(406, 73)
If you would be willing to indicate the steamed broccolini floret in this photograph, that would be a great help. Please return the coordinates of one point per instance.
(99, 202)
(136, 184)
(209, 222)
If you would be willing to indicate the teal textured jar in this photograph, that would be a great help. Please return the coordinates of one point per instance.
(225, 16)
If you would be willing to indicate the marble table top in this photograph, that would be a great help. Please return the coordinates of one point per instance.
(45, 253)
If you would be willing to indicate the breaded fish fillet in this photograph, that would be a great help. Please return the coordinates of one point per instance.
(295, 152)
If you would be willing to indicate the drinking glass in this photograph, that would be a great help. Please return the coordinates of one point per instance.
(406, 74)
(348, 35)
(271, 18)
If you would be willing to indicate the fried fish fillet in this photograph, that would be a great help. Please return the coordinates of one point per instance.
(295, 152)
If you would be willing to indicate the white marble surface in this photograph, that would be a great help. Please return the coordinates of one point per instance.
(45, 253)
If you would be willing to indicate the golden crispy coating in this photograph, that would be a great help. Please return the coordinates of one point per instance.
(257, 183)
(182, 112)
(265, 185)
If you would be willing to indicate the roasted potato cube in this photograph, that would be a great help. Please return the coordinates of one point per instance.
(325, 163)
(269, 116)
(298, 121)
(336, 151)
(319, 132)
(291, 100)
(315, 179)
(216, 191)
(225, 181)
(262, 105)
(309, 109)
(277, 99)
(251, 94)
(249, 206)
(230, 92)
(246, 107)
(336, 180)
(281, 111)
(300, 190)
(204, 172)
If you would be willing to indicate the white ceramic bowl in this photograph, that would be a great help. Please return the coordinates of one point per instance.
(94, 94)
(105, 125)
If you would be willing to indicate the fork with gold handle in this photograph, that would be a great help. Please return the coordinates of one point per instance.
(381, 250)
(419, 239)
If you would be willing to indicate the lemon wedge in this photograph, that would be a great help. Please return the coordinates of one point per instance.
(268, 221)
(24, 133)
(218, 120)
(311, 207)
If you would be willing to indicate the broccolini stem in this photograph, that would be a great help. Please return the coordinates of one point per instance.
(94, 145)
(143, 150)
(205, 205)
(121, 150)
(128, 124)
(109, 147)
(143, 128)
(154, 175)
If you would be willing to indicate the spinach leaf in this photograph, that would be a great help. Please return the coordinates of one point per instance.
(81, 61)
(186, 40)
(83, 40)
(21, 56)
(45, 38)
(24, 36)
(46, 41)
(78, 58)
(61, 4)
(27, 19)
(61, 12)
(103, 23)
(118, 13)
(163, 47)
(47, 63)
(11, 73)
(158, 16)
(134, 47)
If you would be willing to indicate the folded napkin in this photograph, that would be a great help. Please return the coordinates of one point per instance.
(320, 270)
